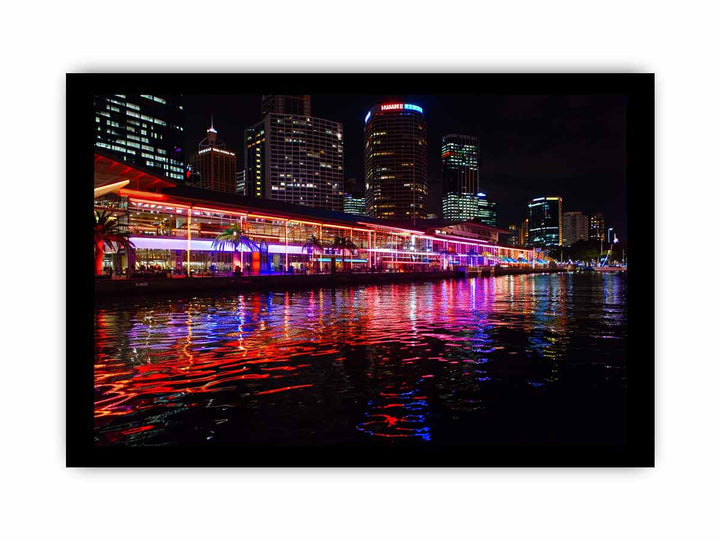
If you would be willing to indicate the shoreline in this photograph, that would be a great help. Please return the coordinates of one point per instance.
(137, 287)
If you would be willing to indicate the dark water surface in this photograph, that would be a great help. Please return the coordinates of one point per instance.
(537, 359)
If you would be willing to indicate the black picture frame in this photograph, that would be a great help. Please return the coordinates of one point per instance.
(639, 450)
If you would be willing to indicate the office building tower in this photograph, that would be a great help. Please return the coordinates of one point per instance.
(396, 148)
(279, 104)
(296, 159)
(467, 206)
(597, 227)
(240, 181)
(354, 205)
(144, 130)
(545, 222)
(575, 228)
(524, 232)
(462, 197)
(215, 165)
(513, 235)
(460, 164)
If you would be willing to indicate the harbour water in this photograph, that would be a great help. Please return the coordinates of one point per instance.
(530, 359)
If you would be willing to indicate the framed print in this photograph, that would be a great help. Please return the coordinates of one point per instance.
(360, 270)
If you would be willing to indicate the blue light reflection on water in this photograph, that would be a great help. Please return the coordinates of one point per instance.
(431, 362)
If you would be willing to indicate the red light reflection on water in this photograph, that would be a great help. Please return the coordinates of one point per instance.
(387, 349)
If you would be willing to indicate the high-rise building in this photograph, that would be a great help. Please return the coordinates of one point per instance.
(524, 232)
(466, 206)
(354, 205)
(460, 164)
(215, 165)
(462, 196)
(545, 222)
(575, 228)
(144, 130)
(396, 148)
(597, 226)
(299, 105)
(295, 158)
(241, 182)
(513, 235)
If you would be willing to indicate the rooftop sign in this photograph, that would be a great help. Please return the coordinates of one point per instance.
(396, 107)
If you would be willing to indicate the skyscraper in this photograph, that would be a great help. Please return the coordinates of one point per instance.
(513, 236)
(294, 157)
(144, 130)
(545, 222)
(216, 166)
(460, 164)
(396, 161)
(597, 227)
(354, 205)
(241, 181)
(524, 232)
(462, 197)
(575, 228)
(466, 206)
(284, 104)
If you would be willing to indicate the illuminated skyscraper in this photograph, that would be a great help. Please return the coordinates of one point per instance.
(460, 164)
(396, 161)
(142, 129)
(597, 227)
(241, 181)
(215, 165)
(295, 158)
(462, 197)
(575, 228)
(545, 222)
(466, 206)
(354, 205)
(524, 232)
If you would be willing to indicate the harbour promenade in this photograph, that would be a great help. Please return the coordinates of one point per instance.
(141, 286)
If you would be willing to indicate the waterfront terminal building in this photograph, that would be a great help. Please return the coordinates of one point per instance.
(173, 228)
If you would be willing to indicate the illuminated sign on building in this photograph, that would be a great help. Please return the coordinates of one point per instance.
(396, 107)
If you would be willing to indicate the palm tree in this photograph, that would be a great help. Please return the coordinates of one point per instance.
(234, 236)
(108, 233)
(313, 245)
(344, 244)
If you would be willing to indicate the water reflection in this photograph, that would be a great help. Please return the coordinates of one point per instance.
(484, 360)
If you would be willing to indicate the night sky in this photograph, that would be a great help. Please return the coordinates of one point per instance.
(530, 146)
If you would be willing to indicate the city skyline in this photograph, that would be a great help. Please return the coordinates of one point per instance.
(530, 146)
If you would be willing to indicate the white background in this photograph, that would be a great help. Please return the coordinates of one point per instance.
(40, 43)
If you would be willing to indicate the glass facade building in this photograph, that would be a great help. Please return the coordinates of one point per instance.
(460, 164)
(173, 229)
(462, 196)
(545, 222)
(465, 206)
(354, 205)
(396, 157)
(144, 130)
(295, 159)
